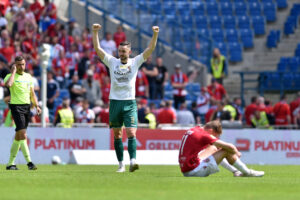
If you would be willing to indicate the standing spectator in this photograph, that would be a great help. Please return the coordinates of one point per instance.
(85, 114)
(150, 118)
(73, 29)
(203, 103)
(161, 79)
(49, 10)
(282, 112)
(269, 107)
(73, 59)
(151, 72)
(92, 87)
(76, 89)
(216, 90)
(167, 115)
(296, 116)
(119, 36)
(184, 116)
(141, 85)
(197, 117)
(211, 111)
(84, 63)
(261, 104)
(60, 68)
(179, 81)
(65, 40)
(250, 110)
(105, 89)
(36, 8)
(57, 47)
(218, 66)
(65, 115)
(52, 90)
(7, 51)
(108, 45)
(295, 104)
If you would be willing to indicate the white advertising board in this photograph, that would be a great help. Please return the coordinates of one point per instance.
(44, 143)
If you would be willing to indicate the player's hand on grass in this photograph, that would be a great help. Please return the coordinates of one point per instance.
(96, 27)
(155, 29)
(13, 69)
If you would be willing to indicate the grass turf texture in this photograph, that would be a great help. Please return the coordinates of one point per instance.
(150, 182)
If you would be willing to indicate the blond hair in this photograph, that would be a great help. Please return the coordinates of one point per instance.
(215, 125)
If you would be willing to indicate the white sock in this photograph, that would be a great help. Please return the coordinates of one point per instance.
(241, 166)
(228, 166)
(132, 161)
(121, 164)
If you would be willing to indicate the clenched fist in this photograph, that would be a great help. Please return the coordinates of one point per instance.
(96, 27)
(155, 29)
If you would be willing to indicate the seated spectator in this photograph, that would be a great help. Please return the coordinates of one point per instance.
(76, 89)
(92, 88)
(167, 115)
(197, 116)
(141, 85)
(259, 119)
(237, 104)
(179, 81)
(203, 103)
(153, 109)
(249, 110)
(103, 115)
(142, 104)
(228, 107)
(119, 36)
(105, 88)
(65, 115)
(184, 116)
(282, 112)
(52, 90)
(221, 114)
(216, 90)
(73, 28)
(85, 114)
(150, 118)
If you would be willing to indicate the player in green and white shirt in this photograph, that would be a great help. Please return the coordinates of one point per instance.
(123, 109)
(22, 94)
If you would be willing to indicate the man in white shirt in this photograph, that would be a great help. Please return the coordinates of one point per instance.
(108, 45)
(123, 108)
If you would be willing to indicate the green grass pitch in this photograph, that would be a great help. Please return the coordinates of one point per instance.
(150, 182)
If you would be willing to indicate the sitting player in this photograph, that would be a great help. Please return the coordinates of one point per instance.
(201, 151)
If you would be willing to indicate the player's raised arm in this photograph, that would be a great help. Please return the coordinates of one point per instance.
(148, 51)
(100, 52)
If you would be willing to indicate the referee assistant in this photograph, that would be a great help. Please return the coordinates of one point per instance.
(22, 93)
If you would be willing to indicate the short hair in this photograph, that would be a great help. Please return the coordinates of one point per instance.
(19, 58)
(125, 43)
(253, 99)
(215, 125)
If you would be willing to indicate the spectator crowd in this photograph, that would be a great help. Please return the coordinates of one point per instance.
(78, 83)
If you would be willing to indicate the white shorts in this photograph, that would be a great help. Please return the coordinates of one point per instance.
(205, 168)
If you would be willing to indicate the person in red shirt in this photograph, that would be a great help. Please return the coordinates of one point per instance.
(119, 36)
(282, 112)
(216, 90)
(7, 51)
(141, 85)
(36, 8)
(167, 115)
(105, 88)
(295, 104)
(179, 80)
(49, 10)
(250, 109)
(103, 116)
(201, 151)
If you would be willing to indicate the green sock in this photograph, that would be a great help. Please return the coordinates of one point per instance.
(132, 147)
(119, 149)
(25, 150)
(13, 152)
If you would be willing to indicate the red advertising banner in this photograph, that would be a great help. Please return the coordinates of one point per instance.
(148, 139)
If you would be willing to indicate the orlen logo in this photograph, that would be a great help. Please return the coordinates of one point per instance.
(242, 144)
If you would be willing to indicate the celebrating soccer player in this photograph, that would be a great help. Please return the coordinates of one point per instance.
(123, 108)
(22, 93)
(201, 151)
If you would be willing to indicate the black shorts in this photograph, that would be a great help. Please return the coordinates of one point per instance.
(21, 115)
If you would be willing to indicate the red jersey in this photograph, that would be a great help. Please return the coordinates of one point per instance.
(250, 109)
(193, 141)
(36, 8)
(166, 116)
(104, 115)
(179, 78)
(217, 93)
(140, 84)
(8, 53)
(105, 93)
(281, 111)
(119, 37)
